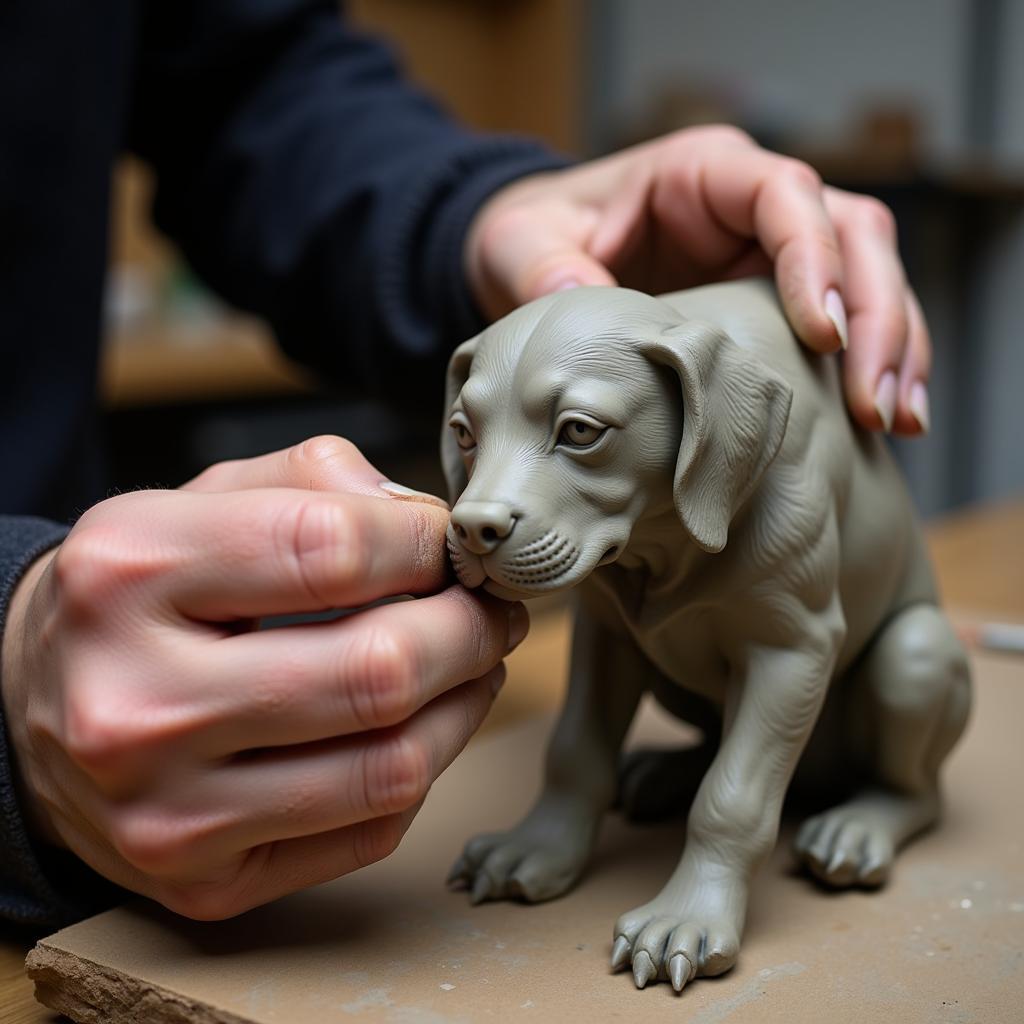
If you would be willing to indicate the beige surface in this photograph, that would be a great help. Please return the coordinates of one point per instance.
(979, 558)
(234, 357)
(943, 943)
(980, 561)
(536, 678)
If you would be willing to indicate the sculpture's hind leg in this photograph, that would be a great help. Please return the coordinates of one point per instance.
(911, 693)
(656, 784)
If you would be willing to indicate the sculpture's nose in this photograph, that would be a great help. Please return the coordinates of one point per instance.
(482, 525)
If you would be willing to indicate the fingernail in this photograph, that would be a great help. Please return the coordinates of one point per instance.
(566, 285)
(836, 312)
(885, 399)
(498, 679)
(919, 406)
(403, 493)
(518, 625)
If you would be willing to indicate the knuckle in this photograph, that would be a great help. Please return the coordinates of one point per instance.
(107, 732)
(97, 732)
(396, 775)
(85, 567)
(98, 560)
(892, 324)
(824, 241)
(376, 840)
(148, 842)
(202, 903)
(492, 628)
(800, 174)
(316, 460)
(729, 134)
(875, 217)
(215, 477)
(326, 546)
(324, 448)
(381, 678)
(483, 628)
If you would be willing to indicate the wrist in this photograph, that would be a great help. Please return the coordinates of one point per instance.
(16, 646)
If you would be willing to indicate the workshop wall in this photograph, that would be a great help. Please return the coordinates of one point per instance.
(920, 102)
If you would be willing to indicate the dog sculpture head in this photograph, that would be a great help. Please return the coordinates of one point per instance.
(587, 412)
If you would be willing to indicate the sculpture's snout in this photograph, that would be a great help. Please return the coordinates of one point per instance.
(482, 525)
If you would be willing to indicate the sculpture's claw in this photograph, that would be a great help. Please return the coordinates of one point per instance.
(620, 952)
(481, 889)
(837, 861)
(847, 846)
(873, 872)
(679, 971)
(643, 968)
(457, 876)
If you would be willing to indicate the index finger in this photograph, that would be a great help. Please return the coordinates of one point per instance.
(881, 322)
(248, 554)
(376, 668)
(322, 463)
(779, 202)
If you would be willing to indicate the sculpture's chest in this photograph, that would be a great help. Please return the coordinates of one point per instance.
(683, 647)
(677, 636)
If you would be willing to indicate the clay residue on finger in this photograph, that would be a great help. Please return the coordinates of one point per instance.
(402, 493)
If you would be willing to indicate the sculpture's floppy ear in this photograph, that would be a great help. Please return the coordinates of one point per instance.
(451, 455)
(735, 410)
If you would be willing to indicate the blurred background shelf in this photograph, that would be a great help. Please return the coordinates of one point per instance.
(234, 357)
(920, 103)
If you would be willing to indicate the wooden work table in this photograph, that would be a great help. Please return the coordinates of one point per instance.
(979, 556)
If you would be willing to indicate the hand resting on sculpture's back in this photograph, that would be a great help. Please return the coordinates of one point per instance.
(739, 547)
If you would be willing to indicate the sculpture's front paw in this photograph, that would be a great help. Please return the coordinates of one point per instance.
(537, 861)
(678, 944)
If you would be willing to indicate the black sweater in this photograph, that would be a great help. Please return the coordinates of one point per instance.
(302, 178)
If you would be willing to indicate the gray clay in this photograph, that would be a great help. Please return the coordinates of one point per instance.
(743, 553)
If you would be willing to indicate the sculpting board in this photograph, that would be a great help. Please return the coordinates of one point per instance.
(943, 943)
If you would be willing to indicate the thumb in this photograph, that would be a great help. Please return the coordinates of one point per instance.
(324, 463)
(522, 256)
(529, 270)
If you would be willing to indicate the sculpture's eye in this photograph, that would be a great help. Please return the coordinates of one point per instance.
(463, 435)
(579, 433)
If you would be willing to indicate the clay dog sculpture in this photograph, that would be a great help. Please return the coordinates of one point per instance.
(742, 552)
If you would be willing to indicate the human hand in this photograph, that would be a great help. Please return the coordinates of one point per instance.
(708, 204)
(190, 758)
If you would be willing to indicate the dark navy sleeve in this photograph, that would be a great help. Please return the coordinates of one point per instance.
(305, 180)
(40, 887)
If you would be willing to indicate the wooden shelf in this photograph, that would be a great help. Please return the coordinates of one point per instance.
(232, 358)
